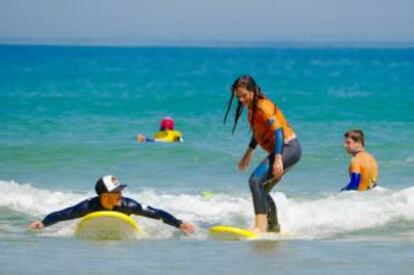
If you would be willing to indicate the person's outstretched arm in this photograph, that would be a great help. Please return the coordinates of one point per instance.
(142, 138)
(73, 212)
(158, 214)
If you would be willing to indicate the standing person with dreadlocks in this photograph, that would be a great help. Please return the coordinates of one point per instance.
(273, 133)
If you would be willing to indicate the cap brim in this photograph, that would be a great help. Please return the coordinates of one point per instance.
(119, 188)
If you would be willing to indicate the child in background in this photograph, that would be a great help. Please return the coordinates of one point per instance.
(165, 134)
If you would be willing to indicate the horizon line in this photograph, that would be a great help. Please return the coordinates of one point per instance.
(82, 42)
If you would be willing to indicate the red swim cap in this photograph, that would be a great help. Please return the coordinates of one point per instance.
(167, 123)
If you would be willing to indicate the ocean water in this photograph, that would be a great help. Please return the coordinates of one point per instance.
(68, 115)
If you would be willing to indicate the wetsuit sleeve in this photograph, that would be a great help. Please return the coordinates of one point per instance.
(355, 174)
(147, 139)
(73, 212)
(253, 143)
(153, 213)
(278, 141)
(354, 183)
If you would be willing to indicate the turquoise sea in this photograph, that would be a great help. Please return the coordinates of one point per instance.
(68, 115)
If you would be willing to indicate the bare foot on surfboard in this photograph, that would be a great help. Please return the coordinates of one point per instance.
(258, 231)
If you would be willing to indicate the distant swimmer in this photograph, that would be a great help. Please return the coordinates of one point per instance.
(363, 168)
(273, 133)
(165, 134)
(109, 191)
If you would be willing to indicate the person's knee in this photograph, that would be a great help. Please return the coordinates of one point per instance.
(259, 196)
(254, 184)
(270, 184)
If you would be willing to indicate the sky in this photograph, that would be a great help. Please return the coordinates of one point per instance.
(192, 21)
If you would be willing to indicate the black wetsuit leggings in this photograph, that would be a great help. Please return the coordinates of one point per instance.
(262, 181)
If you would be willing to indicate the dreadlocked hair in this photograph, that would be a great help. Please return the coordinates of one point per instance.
(247, 82)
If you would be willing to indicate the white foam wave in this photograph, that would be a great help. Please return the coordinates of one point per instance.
(323, 217)
(33, 201)
(347, 212)
(409, 159)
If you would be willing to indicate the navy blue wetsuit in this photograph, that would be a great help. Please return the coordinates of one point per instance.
(262, 180)
(128, 206)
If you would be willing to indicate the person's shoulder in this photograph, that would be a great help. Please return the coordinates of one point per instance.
(160, 134)
(89, 200)
(130, 202)
(356, 160)
(364, 155)
(263, 103)
(362, 159)
(266, 106)
(92, 200)
(89, 203)
(370, 156)
(176, 132)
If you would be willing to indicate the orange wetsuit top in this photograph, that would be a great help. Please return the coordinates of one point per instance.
(267, 119)
(364, 164)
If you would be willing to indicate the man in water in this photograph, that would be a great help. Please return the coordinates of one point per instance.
(165, 134)
(109, 191)
(363, 168)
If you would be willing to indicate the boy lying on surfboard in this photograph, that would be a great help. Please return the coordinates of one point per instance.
(109, 191)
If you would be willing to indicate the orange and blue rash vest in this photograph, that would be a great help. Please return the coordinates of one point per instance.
(363, 172)
(268, 118)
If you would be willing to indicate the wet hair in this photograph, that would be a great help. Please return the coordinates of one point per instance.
(247, 82)
(356, 135)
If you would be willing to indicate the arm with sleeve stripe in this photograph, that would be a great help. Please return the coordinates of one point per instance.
(354, 183)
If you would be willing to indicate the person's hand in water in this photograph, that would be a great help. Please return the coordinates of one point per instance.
(140, 138)
(187, 228)
(36, 225)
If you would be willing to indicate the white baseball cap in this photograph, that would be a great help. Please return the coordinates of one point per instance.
(108, 184)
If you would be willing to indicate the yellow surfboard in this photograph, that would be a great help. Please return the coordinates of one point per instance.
(107, 225)
(224, 232)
